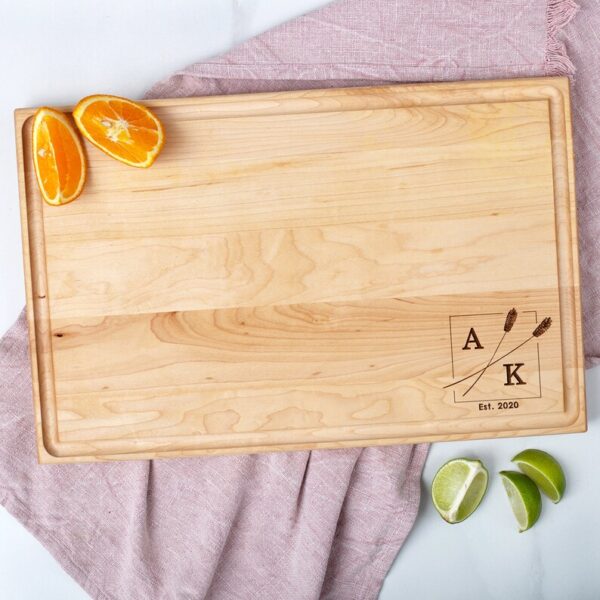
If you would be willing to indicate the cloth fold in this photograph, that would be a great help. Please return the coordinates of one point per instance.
(303, 525)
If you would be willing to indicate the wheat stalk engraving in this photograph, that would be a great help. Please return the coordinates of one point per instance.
(542, 327)
(509, 322)
(537, 332)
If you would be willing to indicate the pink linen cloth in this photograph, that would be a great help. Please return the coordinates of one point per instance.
(285, 526)
(583, 40)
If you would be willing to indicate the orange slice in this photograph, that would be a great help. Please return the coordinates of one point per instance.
(58, 157)
(123, 129)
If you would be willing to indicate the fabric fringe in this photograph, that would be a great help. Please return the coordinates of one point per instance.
(558, 15)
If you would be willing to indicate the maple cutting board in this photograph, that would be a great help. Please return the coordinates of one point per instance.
(312, 269)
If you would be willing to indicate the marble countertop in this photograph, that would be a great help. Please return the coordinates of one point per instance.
(484, 557)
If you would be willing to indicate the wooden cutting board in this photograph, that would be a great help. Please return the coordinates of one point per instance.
(312, 269)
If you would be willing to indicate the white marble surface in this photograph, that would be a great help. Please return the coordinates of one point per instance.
(57, 52)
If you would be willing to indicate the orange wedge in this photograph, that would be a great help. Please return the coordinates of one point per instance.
(58, 157)
(123, 129)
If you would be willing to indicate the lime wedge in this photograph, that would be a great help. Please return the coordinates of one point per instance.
(544, 470)
(524, 498)
(458, 488)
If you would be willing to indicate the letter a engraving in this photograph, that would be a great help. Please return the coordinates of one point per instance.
(472, 339)
(510, 373)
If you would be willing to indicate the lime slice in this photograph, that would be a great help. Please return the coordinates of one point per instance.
(458, 488)
(524, 498)
(544, 470)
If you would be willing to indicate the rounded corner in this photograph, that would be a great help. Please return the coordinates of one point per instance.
(52, 446)
(23, 117)
(575, 419)
(554, 91)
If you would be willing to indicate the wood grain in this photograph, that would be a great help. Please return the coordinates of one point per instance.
(297, 268)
